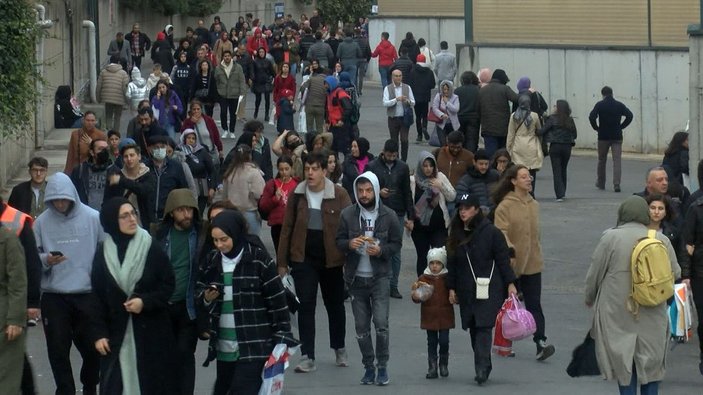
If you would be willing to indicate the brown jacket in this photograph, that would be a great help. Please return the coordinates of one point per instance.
(291, 247)
(453, 167)
(78, 149)
(436, 313)
(518, 219)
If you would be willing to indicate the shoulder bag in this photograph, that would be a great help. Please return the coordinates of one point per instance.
(482, 283)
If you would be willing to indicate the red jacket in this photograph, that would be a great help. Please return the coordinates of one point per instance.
(335, 113)
(279, 84)
(271, 204)
(253, 44)
(211, 128)
(386, 53)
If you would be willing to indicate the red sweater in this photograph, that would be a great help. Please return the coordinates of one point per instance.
(211, 128)
(386, 53)
(279, 84)
(271, 204)
(256, 42)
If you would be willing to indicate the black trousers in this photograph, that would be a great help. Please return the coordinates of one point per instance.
(65, 318)
(697, 288)
(426, 237)
(437, 338)
(137, 62)
(470, 129)
(257, 103)
(186, 334)
(238, 378)
(531, 288)
(307, 277)
(481, 339)
(228, 105)
(397, 128)
(276, 235)
(559, 155)
(27, 378)
(421, 109)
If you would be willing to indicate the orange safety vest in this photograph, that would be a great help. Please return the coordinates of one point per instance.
(14, 219)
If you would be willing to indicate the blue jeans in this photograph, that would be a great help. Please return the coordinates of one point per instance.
(651, 388)
(384, 71)
(437, 338)
(369, 301)
(493, 144)
(293, 68)
(171, 130)
(253, 221)
(352, 69)
(395, 259)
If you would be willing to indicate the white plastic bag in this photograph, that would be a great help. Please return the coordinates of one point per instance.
(302, 121)
(274, 370)
(423, 292)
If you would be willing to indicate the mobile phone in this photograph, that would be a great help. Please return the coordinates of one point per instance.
(56, 253)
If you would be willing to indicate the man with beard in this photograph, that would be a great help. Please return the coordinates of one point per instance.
(394, 179)
(79, 143)
(148, 128)
(90, 177)
(369, 235)
(139, 43)
(178, 235)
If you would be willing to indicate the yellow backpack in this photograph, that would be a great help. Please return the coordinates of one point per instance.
(652, 278)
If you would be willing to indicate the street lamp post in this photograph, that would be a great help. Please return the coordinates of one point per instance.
(469, 21)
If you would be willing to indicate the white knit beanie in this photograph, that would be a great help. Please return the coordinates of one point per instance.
(437, 254)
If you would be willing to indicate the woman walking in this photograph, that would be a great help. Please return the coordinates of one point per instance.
(200, 164)
(274, 199)
(445, 106)
(132, 282)
(283, 81)
(517, 216)
(263, 82)
(522, 142)
(169, 107)
(476, 248)
(559, 132)
(206, 132)
(355, 163)
(243, 183)
(676, 158)
(204, 87)
(431, 191)
(248, 288)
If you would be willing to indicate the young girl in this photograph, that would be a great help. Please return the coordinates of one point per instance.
(436, 313)
(275, 197)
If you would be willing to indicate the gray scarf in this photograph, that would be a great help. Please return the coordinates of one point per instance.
(523, 112)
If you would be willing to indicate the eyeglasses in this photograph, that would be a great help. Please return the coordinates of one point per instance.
(131, 214)
(37, 171)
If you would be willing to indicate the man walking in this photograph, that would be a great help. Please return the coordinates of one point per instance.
(178, 236)
(120, 48)
(28, 196)
(230, 82)
(394, 182)
(307, 244)
(387, 55)
(370, 236)
(445, 63)
(139, 43)
(315, 99)
(90, 177)
(606, 119)
(349, 54)
(398, 98)
(495, 111)
(111, 89)
(67, 235)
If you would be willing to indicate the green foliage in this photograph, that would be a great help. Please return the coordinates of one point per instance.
(17, 65)
(173, 7)
(345, 11)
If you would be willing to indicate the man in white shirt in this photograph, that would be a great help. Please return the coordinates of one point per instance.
(398, 99)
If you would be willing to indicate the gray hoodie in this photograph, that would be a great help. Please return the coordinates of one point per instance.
(367, 221)
(75, 234)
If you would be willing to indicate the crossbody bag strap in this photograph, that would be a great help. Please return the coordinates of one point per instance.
(471, 266)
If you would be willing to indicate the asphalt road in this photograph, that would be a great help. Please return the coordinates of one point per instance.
(570, 231)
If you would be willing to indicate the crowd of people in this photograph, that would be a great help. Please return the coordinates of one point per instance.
(150, 238)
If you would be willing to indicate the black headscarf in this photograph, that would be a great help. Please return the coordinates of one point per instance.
(235, 226)
(364, 146)
(501, 76)
(111, 224)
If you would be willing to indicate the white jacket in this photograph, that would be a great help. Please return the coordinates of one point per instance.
(137, 89)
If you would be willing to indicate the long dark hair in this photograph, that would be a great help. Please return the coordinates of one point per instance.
(242, 156)
(457, 235)
(670, 212)
(676, 143)
(563, 115)
(505, 184)
(284, 159)
(337, 173)
(167, 96)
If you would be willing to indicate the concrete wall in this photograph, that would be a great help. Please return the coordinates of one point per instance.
(652, 83)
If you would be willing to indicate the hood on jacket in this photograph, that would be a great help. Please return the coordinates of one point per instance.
(449, 83)
(113, 67)
(161, 36)
(137, 76)
(181, 197)
(345, 80)
(332, 83)
(60, 186)
(376, 189)
(523, 84)
(419, 174)
(422, 67)
(166, 28)
(633, 209)
(500, 76)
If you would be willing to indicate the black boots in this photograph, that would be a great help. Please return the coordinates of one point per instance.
(432, 370)
(481, 376)
(443, 362)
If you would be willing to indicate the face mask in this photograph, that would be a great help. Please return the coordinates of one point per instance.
(102, 157)
(159, 153)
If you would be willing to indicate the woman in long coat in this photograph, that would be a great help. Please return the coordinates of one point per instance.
(476, 243)
(132, 282)
(629, 348)
(13, 310)
(522, 142)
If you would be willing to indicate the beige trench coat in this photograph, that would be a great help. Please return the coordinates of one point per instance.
(523, 144)
(621, 338)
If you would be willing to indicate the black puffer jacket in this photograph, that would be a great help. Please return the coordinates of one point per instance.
(554, 132)
(405, 65)
(422, 82)
(397, 179)
(477, 184)
(693, 235)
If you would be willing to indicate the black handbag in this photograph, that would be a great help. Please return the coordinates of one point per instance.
(408, 119)
(583, 359)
